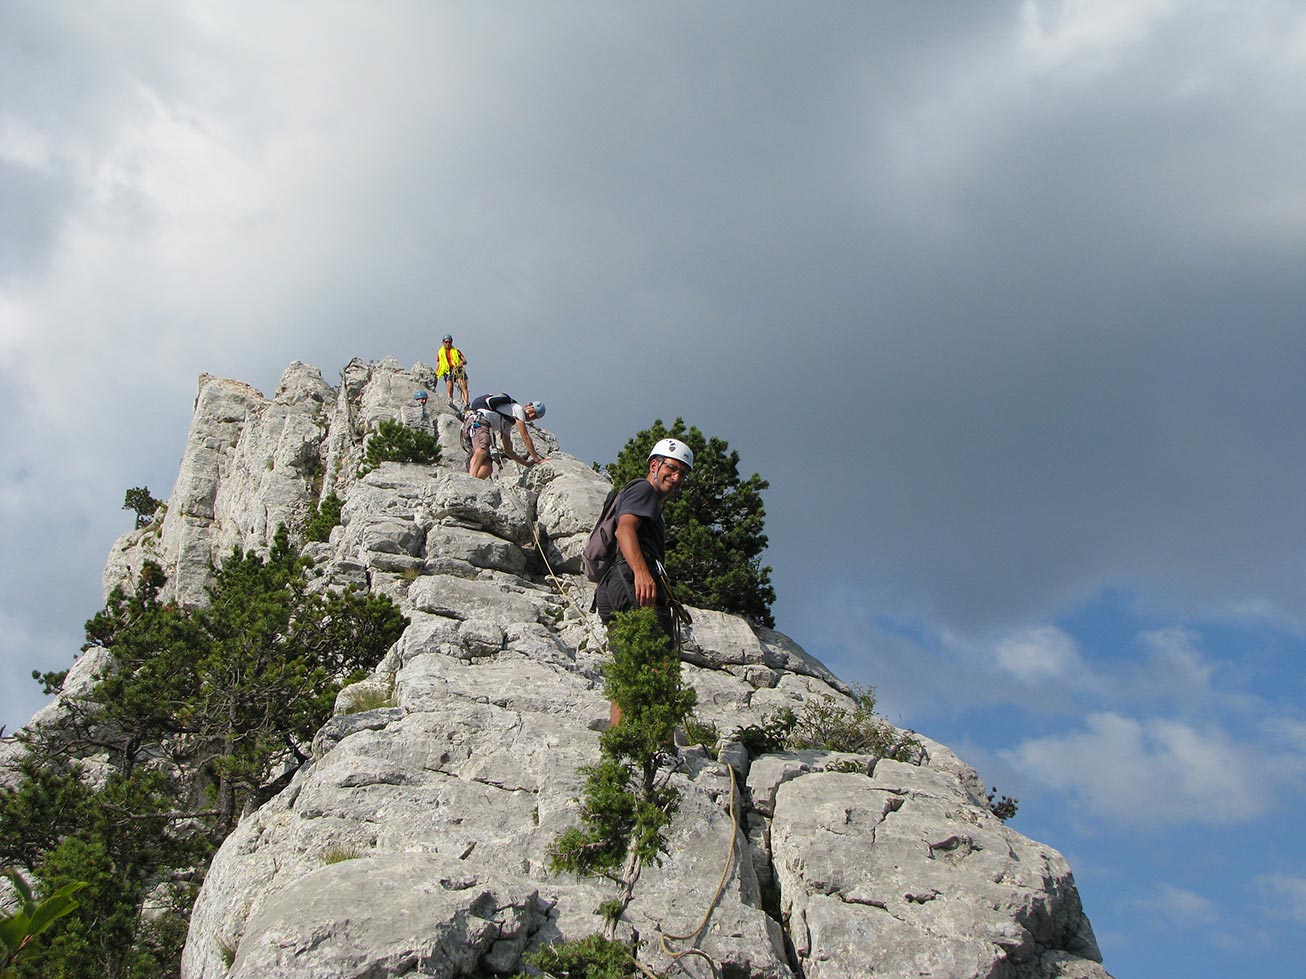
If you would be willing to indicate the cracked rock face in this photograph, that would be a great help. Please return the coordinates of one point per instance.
(414, 842)
(905, 872)
(399, 914)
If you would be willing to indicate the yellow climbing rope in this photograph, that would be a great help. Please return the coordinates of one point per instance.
(666, 937)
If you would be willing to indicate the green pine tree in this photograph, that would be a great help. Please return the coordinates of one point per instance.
(205, 714)
(138, 498)
(322, 517)
(395, 442)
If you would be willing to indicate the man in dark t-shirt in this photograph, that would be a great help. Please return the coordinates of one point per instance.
(636, 576)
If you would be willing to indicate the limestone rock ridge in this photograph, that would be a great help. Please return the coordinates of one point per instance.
(446, 799)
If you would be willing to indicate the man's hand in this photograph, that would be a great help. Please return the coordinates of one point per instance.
(646, 589)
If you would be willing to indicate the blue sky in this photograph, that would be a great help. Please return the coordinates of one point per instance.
(1005, 300)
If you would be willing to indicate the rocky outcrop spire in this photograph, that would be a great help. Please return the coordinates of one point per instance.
(414, 842)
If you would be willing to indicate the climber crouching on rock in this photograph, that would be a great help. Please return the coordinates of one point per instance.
(489, 414)
(637, 577)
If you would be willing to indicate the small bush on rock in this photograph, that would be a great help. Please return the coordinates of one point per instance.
(771, 735)
(1005, 807)
(847, 766)
(592, 957)
(702, 732)
(138, 498)
(339, 853)
(396, 442)
(826, 725)
(322, 517)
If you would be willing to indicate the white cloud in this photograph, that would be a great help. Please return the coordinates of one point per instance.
(1175, 670)
(1285, 895)
(1177, 905)
(1288, 731)
(1155, 771)
(1039, 654)
(1175, 650)
(22, 143)
(1087, 34)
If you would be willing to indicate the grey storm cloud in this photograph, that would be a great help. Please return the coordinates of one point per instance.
(1009, 304)
(1004, 299)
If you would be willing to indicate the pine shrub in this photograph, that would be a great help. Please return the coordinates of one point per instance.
(395, 442)
(592, 957)
(624, 812)
(322, 518)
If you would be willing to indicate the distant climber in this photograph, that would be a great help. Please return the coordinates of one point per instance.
(489, 414)
(637, 576)
(416, 416)
(452, 366)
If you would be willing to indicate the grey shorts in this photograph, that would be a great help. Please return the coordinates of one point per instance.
(482, 437)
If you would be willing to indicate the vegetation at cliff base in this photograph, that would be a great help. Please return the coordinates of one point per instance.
(203, 714)
(30, 919)
(591, 957)
(715, 535)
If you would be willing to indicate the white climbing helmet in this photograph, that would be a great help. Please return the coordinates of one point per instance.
(674, 449)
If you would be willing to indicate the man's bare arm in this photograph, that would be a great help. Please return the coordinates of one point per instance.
(526, 438)
(510, 452)
(646, 589)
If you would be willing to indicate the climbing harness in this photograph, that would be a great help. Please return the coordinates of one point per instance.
(679, 613)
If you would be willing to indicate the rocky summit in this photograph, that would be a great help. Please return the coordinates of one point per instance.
(414, 841)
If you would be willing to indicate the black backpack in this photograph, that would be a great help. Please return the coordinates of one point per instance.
(491, 402)
(600, 548)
